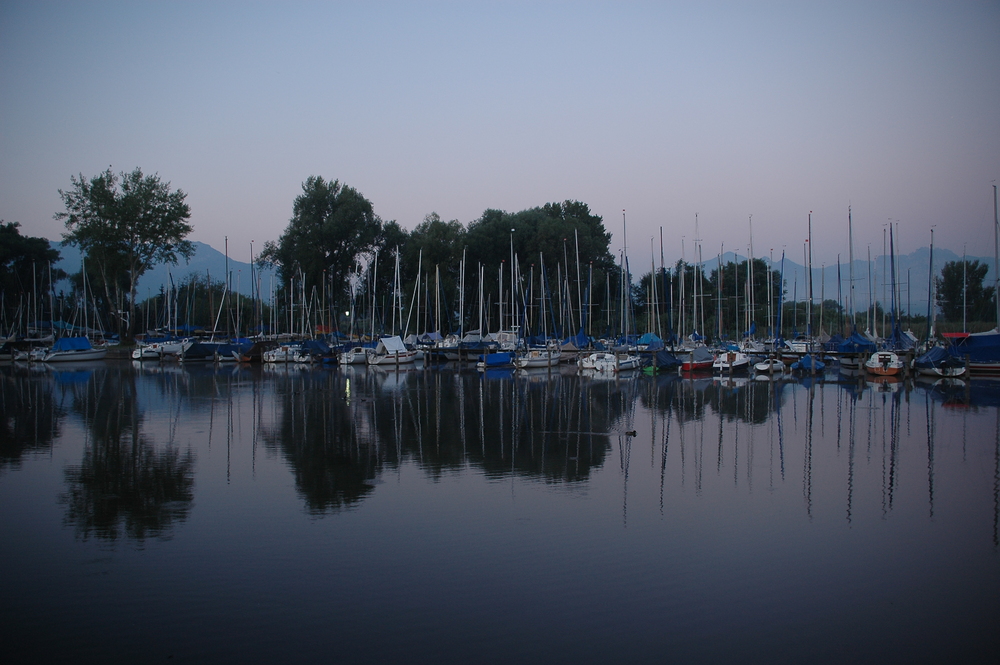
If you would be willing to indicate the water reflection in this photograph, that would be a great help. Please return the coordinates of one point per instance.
(125, 486)
(31, 412)
(341, 431)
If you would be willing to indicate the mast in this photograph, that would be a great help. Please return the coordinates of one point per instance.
(697, 258)
(871, 294)
(893, 318)
(809, 305)
(840, 299)
(701, 263)
(770, 289)
(579, 281)
(965, 290)
(781, 294)
(750, 301)
(513, 321)
(680, 295)
(374, 275)
(850, 258)
(996, 257)
(930, 288)
(461, 298)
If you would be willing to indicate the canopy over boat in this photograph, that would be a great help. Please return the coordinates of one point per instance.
(936, 357)
(72, 344)
(856, 343)
(980, 347)
(390, 345)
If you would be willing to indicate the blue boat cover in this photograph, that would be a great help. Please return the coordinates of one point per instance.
(498, 359)
(665, 360)
(806, 363)
(72, 344)
(937, 356)
(856, 343)
(980, 347)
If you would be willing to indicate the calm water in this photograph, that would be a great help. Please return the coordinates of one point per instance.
(243, 514)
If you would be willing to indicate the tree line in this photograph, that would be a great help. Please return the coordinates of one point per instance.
(342, 268)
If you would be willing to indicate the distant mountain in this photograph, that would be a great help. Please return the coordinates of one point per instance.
(911, 268)
(206, 262)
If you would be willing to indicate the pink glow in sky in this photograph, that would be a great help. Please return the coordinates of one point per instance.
(662, 109)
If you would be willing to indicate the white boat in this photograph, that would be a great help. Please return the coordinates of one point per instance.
(731, 362)
(610, 362)
(284, 353)
(770, 366)
(884, 363)
(593, 360)
(172, 350)
(153, 350)
(391, 351)
(72, 349)
(547, 357)
(802, 345)
(849, 363)
(146, 352)
(354, 356)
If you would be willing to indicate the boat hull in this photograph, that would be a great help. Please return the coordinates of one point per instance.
(883, 363)
(75, 356)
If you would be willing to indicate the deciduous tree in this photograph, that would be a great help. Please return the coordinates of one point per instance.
(960, 292)
(25, 272)
(128, 222)
(332, 226)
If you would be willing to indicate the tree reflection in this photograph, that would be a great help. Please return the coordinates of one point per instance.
(339, 430)
(334, 466)
(30, 415)
(124, 486)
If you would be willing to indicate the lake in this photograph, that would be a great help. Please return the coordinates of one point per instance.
(241, 514)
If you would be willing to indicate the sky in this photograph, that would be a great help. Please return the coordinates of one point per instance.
(664, 110)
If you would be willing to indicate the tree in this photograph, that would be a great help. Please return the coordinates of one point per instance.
(960, 292)
(128, 223)
(25, 271)
(332, 226)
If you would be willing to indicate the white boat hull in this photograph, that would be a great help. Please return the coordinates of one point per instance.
(74, 356)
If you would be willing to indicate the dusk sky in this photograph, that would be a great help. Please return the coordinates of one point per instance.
(663, 109)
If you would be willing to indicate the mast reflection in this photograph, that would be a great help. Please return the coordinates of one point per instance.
(31, 413)
(125, 486)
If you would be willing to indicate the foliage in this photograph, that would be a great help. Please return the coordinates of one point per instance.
(332, 228)
(542, 236)
(126, 224)
(960, 292)
(25, 269)
(201, 304)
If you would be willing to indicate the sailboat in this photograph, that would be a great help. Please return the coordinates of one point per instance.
(983, 349)
(391, 351)
(70, 349)
(853, 347)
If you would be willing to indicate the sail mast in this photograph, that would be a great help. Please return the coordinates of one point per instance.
(850, 258)
(809, 304)
(996, 256)
(930, 289)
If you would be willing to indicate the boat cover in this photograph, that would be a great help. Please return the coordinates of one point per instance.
(980, 347)
(937, 357)
(72, 344)
(391, 344)
(856, 343)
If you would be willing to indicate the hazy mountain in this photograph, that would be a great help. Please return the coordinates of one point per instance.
(911, 268)
(206, 262)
